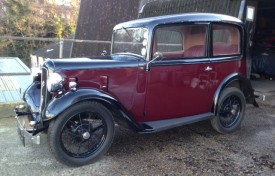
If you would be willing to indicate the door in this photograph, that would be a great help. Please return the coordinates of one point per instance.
(178, 84)
(226, 57)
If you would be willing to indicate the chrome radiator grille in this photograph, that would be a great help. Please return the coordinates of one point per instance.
(45, 95)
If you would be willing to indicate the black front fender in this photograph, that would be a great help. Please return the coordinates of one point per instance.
(63, 102)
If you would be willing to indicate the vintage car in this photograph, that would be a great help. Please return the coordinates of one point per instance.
(163, 72)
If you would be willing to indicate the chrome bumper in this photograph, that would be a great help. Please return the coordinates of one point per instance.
(25, 128)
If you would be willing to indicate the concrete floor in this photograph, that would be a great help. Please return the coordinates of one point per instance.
(265, 86)
(265, 89)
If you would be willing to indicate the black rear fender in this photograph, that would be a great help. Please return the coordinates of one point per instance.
(239, 81)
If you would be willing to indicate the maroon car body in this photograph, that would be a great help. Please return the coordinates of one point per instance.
(163, 72)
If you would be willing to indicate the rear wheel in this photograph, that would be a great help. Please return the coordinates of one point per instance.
(81, 134)
(231, 111)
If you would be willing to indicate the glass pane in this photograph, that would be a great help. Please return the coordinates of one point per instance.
(169, 40)
(226, 40)
(180, 41)
(130, 40)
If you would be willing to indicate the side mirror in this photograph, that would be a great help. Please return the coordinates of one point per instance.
(156, 56)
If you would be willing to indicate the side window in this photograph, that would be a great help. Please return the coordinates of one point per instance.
(169, 40)
(226, 40)
(180, 41)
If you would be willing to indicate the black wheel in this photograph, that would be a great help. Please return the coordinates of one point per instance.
(81, 134)
(231, 111)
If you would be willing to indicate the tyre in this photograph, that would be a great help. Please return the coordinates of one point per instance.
(231, 110)
(81, 134)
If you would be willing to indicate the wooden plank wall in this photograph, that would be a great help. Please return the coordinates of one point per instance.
(96, 21)
(165, 7)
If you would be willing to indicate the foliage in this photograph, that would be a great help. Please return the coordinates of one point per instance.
(28, 18)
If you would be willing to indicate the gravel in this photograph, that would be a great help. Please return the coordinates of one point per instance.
(189, 150)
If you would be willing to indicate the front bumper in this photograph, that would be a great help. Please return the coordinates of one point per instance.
(26, 133)
(26, 127)
(29, 121)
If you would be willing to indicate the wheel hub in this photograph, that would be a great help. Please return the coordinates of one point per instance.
(233, 112)
(86, 135)
(82, 131)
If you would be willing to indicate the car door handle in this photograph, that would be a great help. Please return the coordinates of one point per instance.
(208, 68)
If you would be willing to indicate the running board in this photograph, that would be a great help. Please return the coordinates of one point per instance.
(155, 126)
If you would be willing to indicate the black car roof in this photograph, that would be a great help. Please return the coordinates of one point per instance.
(178, 18)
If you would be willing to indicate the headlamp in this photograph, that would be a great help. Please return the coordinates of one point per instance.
(54, 82)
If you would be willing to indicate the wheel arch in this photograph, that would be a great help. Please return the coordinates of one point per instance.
(239, 81)
(61, 103)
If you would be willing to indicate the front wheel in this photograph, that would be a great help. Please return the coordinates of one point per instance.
(231, 110)
(81, 134)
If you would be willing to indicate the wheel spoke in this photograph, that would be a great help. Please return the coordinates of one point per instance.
(79, 147)
(97, 128)
(97, 140)
(71, 123)
(90, 118)
(69, 138)
(74, 134)
(80, 120)
(230, 101)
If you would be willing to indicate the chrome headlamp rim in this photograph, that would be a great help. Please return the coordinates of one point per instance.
(54, 82)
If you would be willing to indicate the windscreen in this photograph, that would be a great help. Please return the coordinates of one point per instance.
(130, 40)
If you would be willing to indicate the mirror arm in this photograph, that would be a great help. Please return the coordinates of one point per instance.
(147, 65)
(156, 56)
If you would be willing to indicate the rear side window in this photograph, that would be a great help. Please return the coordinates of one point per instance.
(226, 40)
